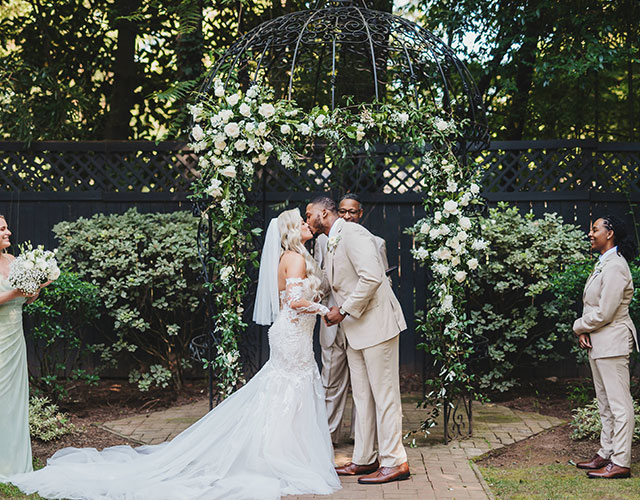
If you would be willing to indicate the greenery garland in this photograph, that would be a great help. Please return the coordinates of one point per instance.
(236, 132)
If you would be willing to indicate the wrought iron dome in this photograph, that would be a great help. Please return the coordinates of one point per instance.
(341, 52)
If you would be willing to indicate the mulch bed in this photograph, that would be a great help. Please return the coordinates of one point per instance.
(110, 400)
(547, 397)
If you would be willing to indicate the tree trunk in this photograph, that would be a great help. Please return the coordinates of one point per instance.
(124, 73)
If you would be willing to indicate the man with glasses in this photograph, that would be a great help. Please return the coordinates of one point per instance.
(335, 369)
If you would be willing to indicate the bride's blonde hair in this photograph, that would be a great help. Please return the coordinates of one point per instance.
(291, 239)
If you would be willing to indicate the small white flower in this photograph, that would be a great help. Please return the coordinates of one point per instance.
(262, 129)
(479, 244)
(285, 129)
(424, 228)
(267, 146)
(452, 186)
(196, 112)
(466, 198)
(220, 143)
(225, 115)
(229, 171)
(460, 276)
(214, 190)
(250, 127)
(225, 274)
(267, 110)
(252, 92)
(434, 233)
(462, 236)
(263, 159)
(320, 120)
(304, 129)
(441, 124)
(455, 261)
(232, 130)
(219, 91)
(444, 230)
(474, 188)
(447, 303)
(472, 263)
(197, 133)
(437, 216)
(465, 223)
(233, 99)
(442, 269)
(447, 166)
(421, 253)
(451, 207)
(245, 109)
(332, 243)
(240, 145)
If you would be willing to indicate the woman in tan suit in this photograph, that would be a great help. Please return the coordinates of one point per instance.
(606, 329)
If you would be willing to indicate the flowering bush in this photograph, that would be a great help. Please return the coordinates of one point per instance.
(586, 424)
(32, 268)
(146, 269)
(511, 300)
(234, 131)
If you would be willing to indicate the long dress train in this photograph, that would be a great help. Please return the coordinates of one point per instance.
(15, 444)
(270, 438)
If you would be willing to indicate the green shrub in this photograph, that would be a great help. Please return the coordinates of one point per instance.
(586, 422)
(60, 318)
(509, 297)
(46, 422)
(146, 267)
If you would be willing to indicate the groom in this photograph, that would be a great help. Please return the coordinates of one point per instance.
(372, 320)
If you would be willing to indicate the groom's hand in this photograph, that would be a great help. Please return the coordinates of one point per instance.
(333, 317)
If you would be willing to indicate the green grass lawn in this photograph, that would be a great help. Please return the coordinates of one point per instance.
(558, 482)
(10, 491)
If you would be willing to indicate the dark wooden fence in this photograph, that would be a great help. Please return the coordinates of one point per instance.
(49, 182)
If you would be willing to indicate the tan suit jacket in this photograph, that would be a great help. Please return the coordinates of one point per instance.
(359, 285)
(605, 316)
(328, 333)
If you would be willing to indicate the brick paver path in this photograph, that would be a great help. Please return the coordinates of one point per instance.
(438, 471)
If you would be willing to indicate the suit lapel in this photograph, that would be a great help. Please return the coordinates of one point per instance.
(593, 275)
(331, 253)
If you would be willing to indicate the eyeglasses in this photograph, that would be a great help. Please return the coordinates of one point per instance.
(344, 211)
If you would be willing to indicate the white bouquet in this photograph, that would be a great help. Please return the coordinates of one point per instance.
(32, 268)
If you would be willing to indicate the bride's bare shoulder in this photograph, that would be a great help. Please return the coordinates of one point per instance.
(292, 264)
(290, 257)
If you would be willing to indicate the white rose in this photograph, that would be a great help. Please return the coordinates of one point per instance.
(455, 261)
(424, 228)
(245, 109)
(220, 143)
(359, 135)
(262, 128)
(444, 253)
(447, 166)
(267, 110)
(421, 253)
(444, 230)
(233, 99)
(452, 186)
(196, 112)
(241, 145)
(285, 129)
(451, 207)
(219, 91)
(320, 120)
(263, 159)
(232, 129)
(434, 233)
(197, 133)
(465, 223)
(267, 146)
(442, 269)
(250, 127)
(462, 236)
(466, 198)
(304, 129)
(447, 303)
(225, 274)
(460, 276)
(472, 263)
(437, 216)
(214, 188)
(474, 188)
(229, 171)
(54, 273)
(225, 115)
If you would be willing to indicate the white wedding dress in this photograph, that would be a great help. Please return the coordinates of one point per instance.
(268, 439)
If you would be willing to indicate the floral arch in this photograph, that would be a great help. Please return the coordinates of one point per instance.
(317, 88)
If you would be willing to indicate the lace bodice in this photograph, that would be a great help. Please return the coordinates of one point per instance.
(291, 335)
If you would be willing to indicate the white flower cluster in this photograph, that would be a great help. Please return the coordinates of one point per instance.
(32, 268)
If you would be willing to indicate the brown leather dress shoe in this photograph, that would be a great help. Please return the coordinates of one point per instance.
(387, 474)
(597, 462)
(351, 469)
(610, 471)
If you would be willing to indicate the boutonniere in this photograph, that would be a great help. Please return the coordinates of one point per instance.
(333, 243)
(598, 268)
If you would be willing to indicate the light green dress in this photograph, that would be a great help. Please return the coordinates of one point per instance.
(15, 444)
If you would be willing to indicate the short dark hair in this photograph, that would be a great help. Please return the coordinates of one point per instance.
(352, 196)
(326, 203)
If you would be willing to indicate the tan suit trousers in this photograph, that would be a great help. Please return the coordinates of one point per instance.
(611, 381)
(376, 396)
(336, 383)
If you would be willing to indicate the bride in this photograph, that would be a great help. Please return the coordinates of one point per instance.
(269, 438)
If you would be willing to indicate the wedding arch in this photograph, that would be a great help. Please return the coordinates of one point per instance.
(334, 90)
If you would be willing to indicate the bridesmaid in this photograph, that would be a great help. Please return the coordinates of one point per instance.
(15, 444)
